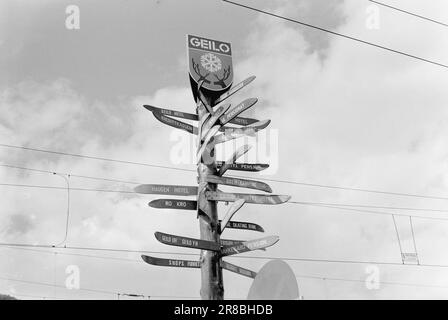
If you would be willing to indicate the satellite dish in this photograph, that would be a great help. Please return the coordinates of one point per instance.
(275, 281)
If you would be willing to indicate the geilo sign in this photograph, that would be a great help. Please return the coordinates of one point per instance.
(210, 61)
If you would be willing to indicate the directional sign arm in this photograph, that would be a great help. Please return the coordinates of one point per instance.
(179, 241)
(232, 210)
(171, 262)
(241, 225)
(237, 154)
(250, 198)
(175, 190)
(235, 111)
(235, 89)
(241, 183)
(249, 246)
(237, 269)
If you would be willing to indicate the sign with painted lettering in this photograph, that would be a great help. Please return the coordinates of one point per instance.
(210, 61)
(173, 204)
(171, 262)
(191, 116)
(174, 190)
(239, 108)
(250, 245)
(250, 198)
(257, 126)
(237, 154)
(252, 167)
(210, 134)
(235, 134)
(243, 226)
(180, 241)
(237, 269)
(237, 182)
(175, 123)
(229, 242)
(231, 212)
(212, 121)
(234, 90)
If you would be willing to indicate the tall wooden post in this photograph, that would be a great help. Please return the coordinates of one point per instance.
(212, 287)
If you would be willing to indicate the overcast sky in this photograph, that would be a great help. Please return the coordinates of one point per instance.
(345, 114)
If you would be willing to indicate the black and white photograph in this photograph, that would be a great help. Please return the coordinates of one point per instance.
(246, 151)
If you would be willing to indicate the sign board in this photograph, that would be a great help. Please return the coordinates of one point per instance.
(175, 123)
(243, 226)
(257, 126)
(275, 281)
(234, 90)
(191, 116)
(250, 198)
(250, 245)
(232, 210)
(173, 204)
(230, 242)
(210, 61)
(179, 241)
(212, 121)
(237, 269)
(252, 167)
(239, 108)
(174, 190)
(171, 262)
(237, 182)
(237, 154)
(235, 133)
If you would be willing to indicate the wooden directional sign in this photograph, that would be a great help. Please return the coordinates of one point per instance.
(230, 213)
(230, 242)
(237, 182)
(232, 113)
(257, 126)
(174, 204)
(175, 123)
(243, 226)
(191, 116)
(174, 190)
(250, 245)
(250, 198)
(212, 121)
(237, 154)
(252, 167)
(171, 262)
(179, 241)
(235, 134)
(234, 90)
(242, 271)
(210, 61)
(210, 134)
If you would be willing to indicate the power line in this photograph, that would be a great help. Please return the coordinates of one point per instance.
(410, 13)
(338, 34)
(391, 263)
(380, 282)
(93, 290)
(95, 158)
(365, 211)
(237, 176)
(290, 202)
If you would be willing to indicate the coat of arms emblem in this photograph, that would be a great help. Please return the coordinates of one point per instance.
(210, 61)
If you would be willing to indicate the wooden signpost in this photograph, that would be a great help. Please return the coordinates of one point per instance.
(180, 241)
(211, 78)
(248, 197)
(174, 190)
(190, 116)
(171, 262)
(249, 245)
(239, 270)
(174, 204)
(243, 226)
